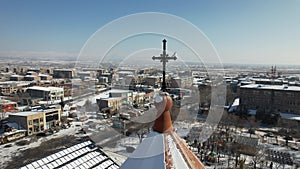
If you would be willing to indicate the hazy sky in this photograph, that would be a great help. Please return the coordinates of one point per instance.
(256, 31)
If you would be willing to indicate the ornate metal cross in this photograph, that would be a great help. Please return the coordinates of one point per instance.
(164, 57)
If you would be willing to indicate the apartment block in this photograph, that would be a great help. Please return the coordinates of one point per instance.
(270, 98)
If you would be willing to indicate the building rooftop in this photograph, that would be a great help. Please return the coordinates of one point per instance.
(82, 155)
(16, 76)
(25, 113)
(272, 87)
(39, 88)
(43, 75)
(45, 88)
(64, 70)
(30, 76)
(15, 83)
(119, 91)
(3, 102)
(110, 98)
(290, 116)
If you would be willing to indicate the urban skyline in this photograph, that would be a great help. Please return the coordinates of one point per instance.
(113, 108)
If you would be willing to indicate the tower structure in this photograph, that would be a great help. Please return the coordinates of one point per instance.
(163, 148)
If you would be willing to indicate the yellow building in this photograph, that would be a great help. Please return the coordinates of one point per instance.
(112, 103)
(37, 121)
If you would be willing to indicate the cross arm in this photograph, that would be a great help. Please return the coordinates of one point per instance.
(156, 58)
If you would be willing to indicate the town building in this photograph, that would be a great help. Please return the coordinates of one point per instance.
(126, 95)
(7, 105)
(23, 70)
(127, 80)
(45, 77)
(152, 80)
(36, 70)
(10, 87)
(98, 71)
(103, 79)
(64, 73)
(32, 121)
(46, 93)
(147, 71)
(32, 73)
(270, 98)
(110, 104)
(48, 71)
(12, 135)
(127, 70)
(16, 78)
(31, 78)
(37, 121)
(85, 75)
(7, 75)
(16, 70)
(124, 73)
(109, 76)
(139, 97)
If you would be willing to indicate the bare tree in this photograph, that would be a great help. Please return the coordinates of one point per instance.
(142, 134)
(258, 156)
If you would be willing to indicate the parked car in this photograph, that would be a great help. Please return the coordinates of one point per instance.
(269, 135)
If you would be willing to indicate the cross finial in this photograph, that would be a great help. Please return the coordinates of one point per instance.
(164, 57)
(164, 44)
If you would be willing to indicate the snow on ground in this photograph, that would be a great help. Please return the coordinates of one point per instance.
(182, 128)
(125, 146)
(128, 143)
(97, 125)
(92, 99)
(11, 149)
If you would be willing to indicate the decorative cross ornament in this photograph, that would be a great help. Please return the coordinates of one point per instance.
(164, 58)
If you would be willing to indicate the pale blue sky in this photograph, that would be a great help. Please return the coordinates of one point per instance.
(256, 31)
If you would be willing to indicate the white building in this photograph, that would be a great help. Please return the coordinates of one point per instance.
(46, 93)
(126, 95)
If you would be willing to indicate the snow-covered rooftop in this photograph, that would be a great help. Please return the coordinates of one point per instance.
(3, 101)
(119, 91)
(234, 105)
(45, 88)
(82, 155)
(290, 116)
(25, 113)
(272, 87)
